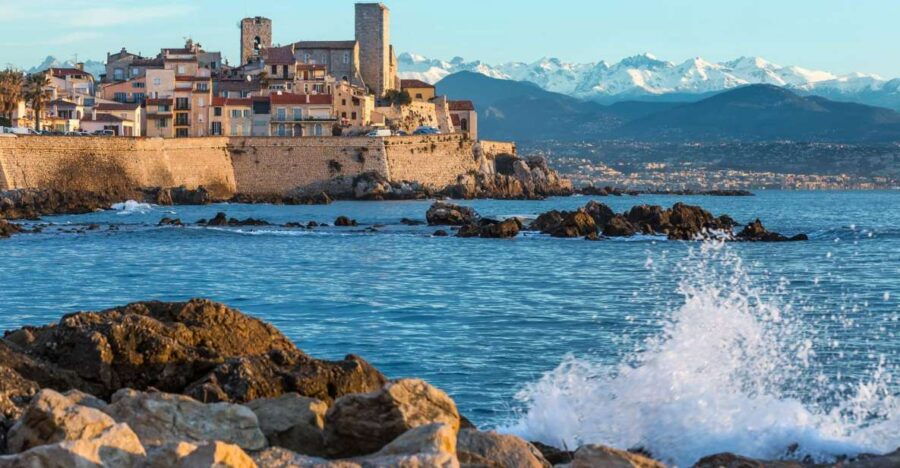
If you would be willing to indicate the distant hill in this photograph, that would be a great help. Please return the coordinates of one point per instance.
(524, 111)
(766, 113)
(91, 66)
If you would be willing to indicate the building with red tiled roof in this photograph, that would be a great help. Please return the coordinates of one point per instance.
(461, 105)
(464, 117)
(418, 90)
(98, 121)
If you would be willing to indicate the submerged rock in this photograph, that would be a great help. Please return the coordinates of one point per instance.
(447, 214)
(7, 229)
(565, 223)
(343, 221)
(491, 229)
(170, 222)
(755, 231)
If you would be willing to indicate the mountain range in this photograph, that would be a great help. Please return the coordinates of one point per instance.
(522, 110)
(91, 66)
(645, 77)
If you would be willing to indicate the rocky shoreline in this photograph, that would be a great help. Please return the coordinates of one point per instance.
(595, 221)
(199, 384)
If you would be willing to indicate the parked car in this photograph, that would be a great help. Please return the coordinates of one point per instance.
(105, 133)
(22, 131)
(401, 133)
(426, 130)
(381, 132)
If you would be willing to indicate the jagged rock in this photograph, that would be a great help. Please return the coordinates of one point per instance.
(756, 232)
(507, 176)
(52, 418)
(7, 229)
(565, 223)
(170, 222)
(178, 196)
(554, 455)
(221, 219)
(291, 198)
(115, 446)
(42, 373)
(448, 214)
(84, 399)
(426, 446)
(469, 230)
(360, 424)
(730, 460)
(198, 347)
(343, 221)
(293, 422)
(203, 454)
(502, 451)
(34, 203)
(618, 226)
(505, 229)
(15, 393)
(601, 213)
(593, 456)
(161, 418)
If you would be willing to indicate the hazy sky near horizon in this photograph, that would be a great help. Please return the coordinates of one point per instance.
(840, 36)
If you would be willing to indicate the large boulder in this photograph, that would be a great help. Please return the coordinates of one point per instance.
(115, 446)
(427, 446)
(162, 418)
(361, 424)
(618, 226)
(601, 213)
(502, 451)
(565, 223)
(593, 456)
(293, 422)
(51, 418)
(491, 229)
(7, 229)
(756, 232)
(447, 214)
(206, 349)
(203, 454)
(730, 460)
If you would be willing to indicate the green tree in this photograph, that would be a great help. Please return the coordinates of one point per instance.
(11, 84)
(397, 98)
(35, 94)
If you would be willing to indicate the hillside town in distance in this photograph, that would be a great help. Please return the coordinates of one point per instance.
(305, 88)
(723, 166)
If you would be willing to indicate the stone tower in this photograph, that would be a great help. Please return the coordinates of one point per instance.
(256, 34)
(373, 33)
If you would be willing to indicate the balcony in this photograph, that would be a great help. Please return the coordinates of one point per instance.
(182, 121)
(293, 119)
(183, 107)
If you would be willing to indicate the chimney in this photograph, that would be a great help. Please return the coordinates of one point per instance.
(79, 66)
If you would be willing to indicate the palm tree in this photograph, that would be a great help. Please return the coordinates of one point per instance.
(36, 95)
(11, 82)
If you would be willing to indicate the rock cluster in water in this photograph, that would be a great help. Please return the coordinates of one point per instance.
(199, 384)
(680, 222)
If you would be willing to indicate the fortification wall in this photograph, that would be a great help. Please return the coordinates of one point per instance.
(227, 165)
(277, 165)
(104, 163)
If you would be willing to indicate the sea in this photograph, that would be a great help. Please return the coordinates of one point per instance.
(682, 349)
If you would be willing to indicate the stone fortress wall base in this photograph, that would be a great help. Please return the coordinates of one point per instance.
(229, 165)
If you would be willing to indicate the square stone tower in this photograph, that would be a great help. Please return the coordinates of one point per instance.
(256, 35)
(373, 33)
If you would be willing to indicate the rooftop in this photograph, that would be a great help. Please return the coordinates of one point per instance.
(461, 105)
(103, 118)
(288, 98)
(415, 84)
(325, 44)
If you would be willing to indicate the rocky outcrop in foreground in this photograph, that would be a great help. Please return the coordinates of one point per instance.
(595, 220)
(198, 384)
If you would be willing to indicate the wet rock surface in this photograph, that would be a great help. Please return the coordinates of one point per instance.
(680, 222)
(34, 203)
(447, 214)
(7, 229)
(510, 177)
(177, 196)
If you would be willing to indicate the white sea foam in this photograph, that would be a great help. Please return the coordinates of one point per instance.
(733, 370)
(131, 207)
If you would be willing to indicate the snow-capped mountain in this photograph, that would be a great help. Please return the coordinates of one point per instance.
(91, 66)
(647, 76)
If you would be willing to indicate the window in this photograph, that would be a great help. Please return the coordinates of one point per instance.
(201, 102)
(181, 119)
(157, 81)
(217, 111)
(346, 57)
(343, 115)
(162, 108)
(418, 95)
(343, 102)
(353, 115)
(246, 113)
(181, 132)
(284, 70)
(464, 123)
(306, 57)
(282, 131)
(181, 69)
(138, 84)
(235, 113)
(216, 128)
(203, 86)
(182, 103)
(235, 129)
(135, 72)
(162, 123)
(318, 129)
(119, 74)
(280, 113)
(274, 69)
(139, 97)
(298, 113)
(120, 97)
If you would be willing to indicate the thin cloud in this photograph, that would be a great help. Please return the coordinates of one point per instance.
(64, 39)
(77, 14)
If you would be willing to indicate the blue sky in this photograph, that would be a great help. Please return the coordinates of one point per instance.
(834, 35)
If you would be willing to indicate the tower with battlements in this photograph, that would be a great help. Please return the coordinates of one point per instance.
(256, 35)
(375, 54)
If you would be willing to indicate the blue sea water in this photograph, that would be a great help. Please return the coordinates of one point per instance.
(683, 348)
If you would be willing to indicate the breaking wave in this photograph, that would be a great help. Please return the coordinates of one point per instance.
(734, 369)
(131, 207)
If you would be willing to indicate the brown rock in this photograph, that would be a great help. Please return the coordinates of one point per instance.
(360, 424)
(201, 455)
(343, 221)
(505, 229)
(293, 422)
(601, 213)
(115, 446)
(441, 213)
(162, 418)
(506, 451)
(730, 460)
(7, 229)
(756, 232)
(554, 455)
(15, 393)
(593, 456)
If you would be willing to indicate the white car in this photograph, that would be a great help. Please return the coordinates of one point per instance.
(381, 132)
